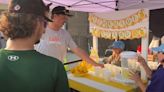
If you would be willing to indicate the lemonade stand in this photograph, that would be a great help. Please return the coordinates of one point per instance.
(122, 25)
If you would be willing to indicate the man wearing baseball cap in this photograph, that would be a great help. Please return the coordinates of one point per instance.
(156, 77)
(56, 40)
(22, 69)
(60, 10)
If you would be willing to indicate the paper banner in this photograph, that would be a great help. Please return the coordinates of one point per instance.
(126, 34)
(118, 24)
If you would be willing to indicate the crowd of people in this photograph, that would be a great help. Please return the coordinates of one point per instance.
(55, 41)
(36, 46)
(23, 69)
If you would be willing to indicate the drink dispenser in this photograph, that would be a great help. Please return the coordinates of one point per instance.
(128, 58)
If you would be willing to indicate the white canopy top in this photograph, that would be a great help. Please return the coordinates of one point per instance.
(106, 5)
(103, 5)
(4, 1)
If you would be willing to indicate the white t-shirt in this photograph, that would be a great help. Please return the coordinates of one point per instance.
(55, 43)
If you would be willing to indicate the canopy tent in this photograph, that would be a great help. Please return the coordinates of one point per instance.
(104, 5)
(112, 5)
(107, 5)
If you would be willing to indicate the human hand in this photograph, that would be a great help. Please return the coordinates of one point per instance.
(134, 76)
(100, 65)
(141, 60)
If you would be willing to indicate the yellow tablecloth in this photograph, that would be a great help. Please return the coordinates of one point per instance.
(84, 88)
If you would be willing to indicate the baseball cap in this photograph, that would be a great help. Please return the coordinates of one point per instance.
(36, 7)
(159, 49)
(118, 44)
(61, 10)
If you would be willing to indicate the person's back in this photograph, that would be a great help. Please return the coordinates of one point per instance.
(30, 71)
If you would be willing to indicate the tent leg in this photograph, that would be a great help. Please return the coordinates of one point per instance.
(95, 43)
(144, 53)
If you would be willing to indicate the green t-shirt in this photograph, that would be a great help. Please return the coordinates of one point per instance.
(30, 71)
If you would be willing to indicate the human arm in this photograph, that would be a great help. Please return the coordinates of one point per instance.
(81, 53)
(143, 63)
(137, 79)
(110, 59)
(78, 51)
(107, 60)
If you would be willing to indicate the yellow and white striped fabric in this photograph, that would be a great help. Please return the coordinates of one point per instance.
(91, 83)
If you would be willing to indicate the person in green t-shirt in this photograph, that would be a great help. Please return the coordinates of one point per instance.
(22, 69)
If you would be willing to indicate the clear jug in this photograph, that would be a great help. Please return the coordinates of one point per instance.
(127, 57)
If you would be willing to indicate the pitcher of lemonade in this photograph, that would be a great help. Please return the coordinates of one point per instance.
(125, 72)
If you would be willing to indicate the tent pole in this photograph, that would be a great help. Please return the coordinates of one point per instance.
(144, 53)
(95, 43)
